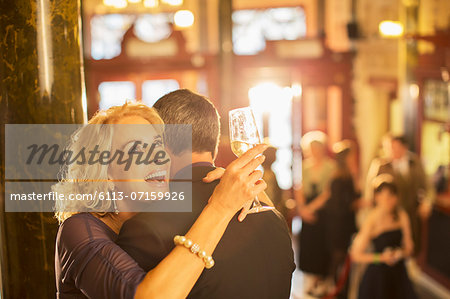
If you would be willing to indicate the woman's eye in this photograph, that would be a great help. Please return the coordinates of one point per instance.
(137, 148)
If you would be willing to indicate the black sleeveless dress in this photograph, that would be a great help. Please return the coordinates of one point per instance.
(314, 256)
(381, 281)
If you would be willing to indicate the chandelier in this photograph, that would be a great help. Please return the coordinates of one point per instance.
(145, 3)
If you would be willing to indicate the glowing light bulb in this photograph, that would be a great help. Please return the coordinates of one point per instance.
(150, 3)
(391, 28)
(116, 3)
(183, 18)
(296, 89)
(414, 90)
(173, 2)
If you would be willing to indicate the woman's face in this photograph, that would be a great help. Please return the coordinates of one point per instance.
(386, 199)
(137, 139)
(317, 150)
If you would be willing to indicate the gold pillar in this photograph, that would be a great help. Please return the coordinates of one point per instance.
(41, 82)
(225, 61)
(408, 63)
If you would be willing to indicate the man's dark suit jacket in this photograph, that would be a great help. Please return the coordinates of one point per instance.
(254, 258)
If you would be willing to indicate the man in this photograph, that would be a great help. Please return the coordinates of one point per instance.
(254, 258)
(411, 181)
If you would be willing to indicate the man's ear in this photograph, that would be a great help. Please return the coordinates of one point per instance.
(168, 151)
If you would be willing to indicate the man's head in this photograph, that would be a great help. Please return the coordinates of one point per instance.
(185, 107)
(399, 147)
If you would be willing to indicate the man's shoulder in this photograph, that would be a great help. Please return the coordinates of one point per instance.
(264, 226)
(414, 159)
(259, 246)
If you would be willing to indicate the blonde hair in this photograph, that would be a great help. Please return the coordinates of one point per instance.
(78, 179)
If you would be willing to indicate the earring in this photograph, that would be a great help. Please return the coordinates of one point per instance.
(111, 188)
(116, 209)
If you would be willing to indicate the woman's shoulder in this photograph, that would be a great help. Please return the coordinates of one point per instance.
(373, 217)
(81, 229)
(80, 220)
(403, 216)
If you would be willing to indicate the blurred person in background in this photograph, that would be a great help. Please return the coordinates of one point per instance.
(384, 156)
(273, 190)
(388, 230)
(410, 179)
(340, 208)
(311, 198)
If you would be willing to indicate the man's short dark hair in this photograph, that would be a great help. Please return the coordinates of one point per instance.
(186, 107)
(401, 139)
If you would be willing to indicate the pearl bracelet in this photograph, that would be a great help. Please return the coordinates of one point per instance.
(195, 249)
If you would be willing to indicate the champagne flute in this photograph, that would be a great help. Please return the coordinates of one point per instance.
(243, 136)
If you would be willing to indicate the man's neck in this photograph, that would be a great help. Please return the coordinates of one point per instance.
(202, 157)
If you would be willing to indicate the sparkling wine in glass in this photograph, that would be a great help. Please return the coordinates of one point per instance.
(243, 136)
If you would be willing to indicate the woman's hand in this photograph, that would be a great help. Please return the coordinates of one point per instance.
(216, 174)
(240, 182)
(388, 257)
(307, 214)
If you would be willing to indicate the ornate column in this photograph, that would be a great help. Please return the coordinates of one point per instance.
(41, 82)
(407, 77)
(225, 61)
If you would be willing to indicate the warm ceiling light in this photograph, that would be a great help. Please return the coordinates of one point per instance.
(173, 2)
(414, 90)
(391, 28)
(116, 3)
(134, 1)
(183, 18)
(150, 3)
(266, 96)
(296, 89)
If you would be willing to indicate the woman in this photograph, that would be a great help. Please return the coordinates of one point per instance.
(88, 262)
(340, 208)
(311, 199)
(387, 229)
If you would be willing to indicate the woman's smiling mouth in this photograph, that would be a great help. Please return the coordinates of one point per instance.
(157, 177)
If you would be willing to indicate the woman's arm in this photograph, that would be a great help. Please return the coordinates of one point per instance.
(217, 174)
(303, 209)
(299, 197)
(362, 241)
(407, 242)
(320, 200)
(176, 274)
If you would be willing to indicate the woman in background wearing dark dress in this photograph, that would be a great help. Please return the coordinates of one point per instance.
(88, 262)
(341, 208)
(387, 228)
(311, 198)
